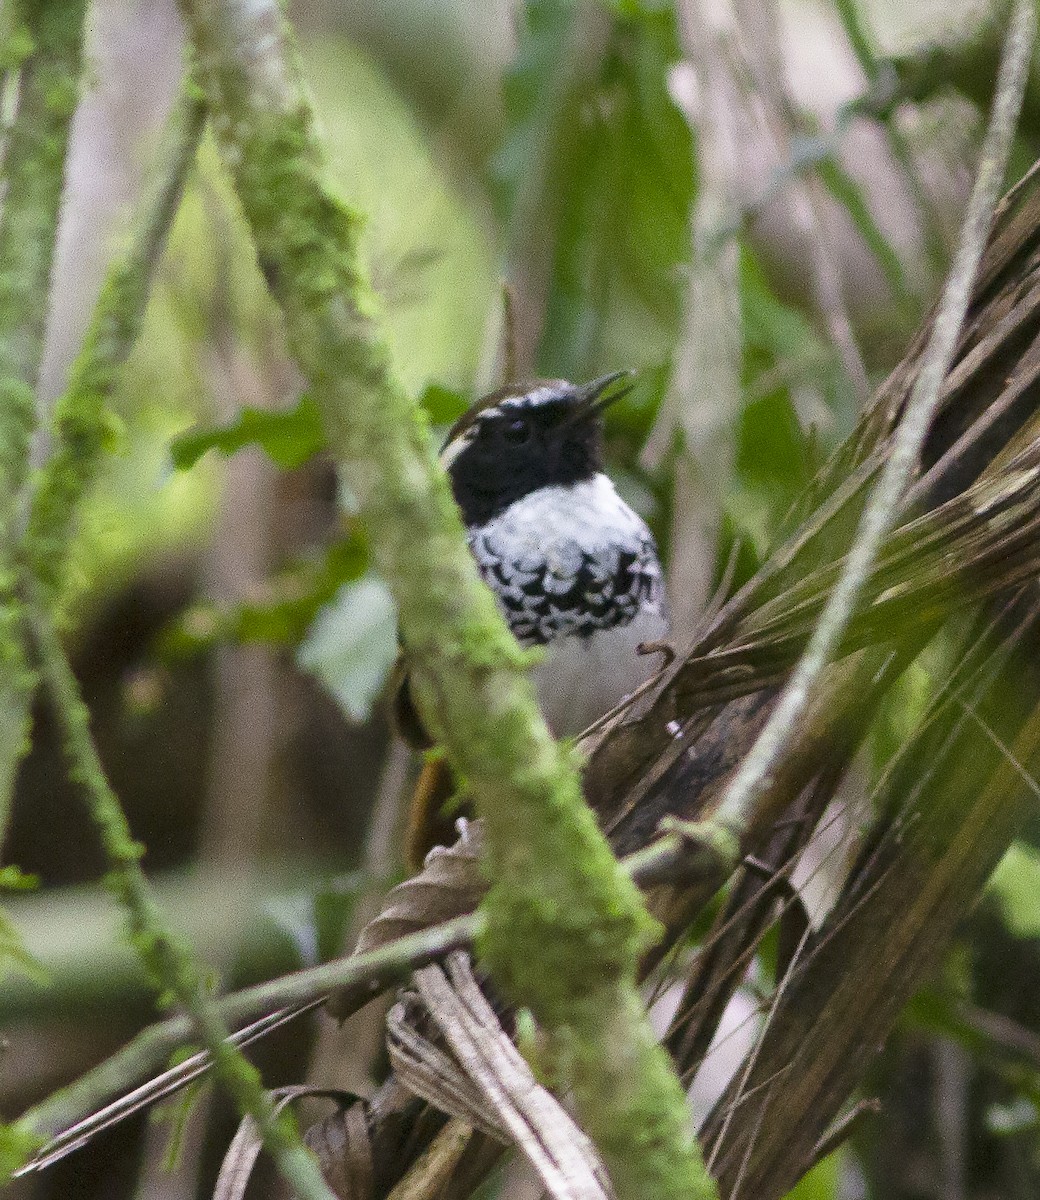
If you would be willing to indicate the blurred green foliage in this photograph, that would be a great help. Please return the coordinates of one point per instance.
(589, 192)
(288, 436)
(613, 160)
(1015, 886)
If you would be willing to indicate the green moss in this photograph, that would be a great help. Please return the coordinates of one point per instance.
(84, 428)
(47, 44)
(17, 414)
(62, 97)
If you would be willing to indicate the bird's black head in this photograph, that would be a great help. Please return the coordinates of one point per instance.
(520, 439)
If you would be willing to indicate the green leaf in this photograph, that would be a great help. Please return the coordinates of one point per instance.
(177, 1113)
(1016, 887)
(823, 1182)
(333, 907)
(13, 879)
(287, 436)
(294, 597)
(352, 645)
(443, 405)
(14, 955)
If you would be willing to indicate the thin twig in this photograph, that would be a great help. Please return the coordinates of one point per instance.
(432, 1169)
(168, 960)
(883, 507)
(33, 174)
(291, 995)
(843, 1129)
(81, 424)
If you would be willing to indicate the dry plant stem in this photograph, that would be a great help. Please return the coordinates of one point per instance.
(369, 974)
(565, 927)
(883, 507)
(484, 1081)
(435, 1165)
(82, 427)
(915, 884)
(170, 963)
(704, 395)
(935, 244)
(702, 855)
(761, 30)
(33, 173)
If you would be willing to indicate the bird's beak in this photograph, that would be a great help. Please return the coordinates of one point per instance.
(596, 396)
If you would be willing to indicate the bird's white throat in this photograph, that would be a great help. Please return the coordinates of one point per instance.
(556, 523)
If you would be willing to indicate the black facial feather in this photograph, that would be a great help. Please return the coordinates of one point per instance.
(516, 442)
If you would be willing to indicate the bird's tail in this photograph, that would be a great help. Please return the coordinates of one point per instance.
(429, 824)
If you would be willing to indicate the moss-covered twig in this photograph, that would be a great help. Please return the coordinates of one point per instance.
(81, 423)
(169, 962)
(702, 855)
(369, 974)
(565, 926)
(49, 36)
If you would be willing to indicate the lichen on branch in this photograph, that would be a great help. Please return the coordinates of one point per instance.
(565, 926)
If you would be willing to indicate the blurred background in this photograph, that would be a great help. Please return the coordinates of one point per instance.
(753, 204)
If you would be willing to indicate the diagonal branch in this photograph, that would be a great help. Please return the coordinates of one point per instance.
(81, 425)
(167, 959)
(282, 999)
(565, 926)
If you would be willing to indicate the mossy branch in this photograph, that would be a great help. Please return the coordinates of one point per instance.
(565, 926)
(81, 424)
(49, 37)
(169, 962)
(702, 855)
(74, 1109)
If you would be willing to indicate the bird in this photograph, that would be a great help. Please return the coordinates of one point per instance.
(574, 569)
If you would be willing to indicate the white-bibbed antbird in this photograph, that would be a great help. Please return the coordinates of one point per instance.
(574, 569)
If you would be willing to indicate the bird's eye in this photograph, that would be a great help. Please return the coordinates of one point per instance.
(516, 431)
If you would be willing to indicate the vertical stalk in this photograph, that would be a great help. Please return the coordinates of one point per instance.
(49, 35)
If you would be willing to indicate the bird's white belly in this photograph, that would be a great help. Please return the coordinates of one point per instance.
(581, 678)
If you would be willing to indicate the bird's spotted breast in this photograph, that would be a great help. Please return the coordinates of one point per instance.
(569, 562)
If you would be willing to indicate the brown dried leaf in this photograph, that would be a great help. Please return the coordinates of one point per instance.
(449, 885)
(343, 1146)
